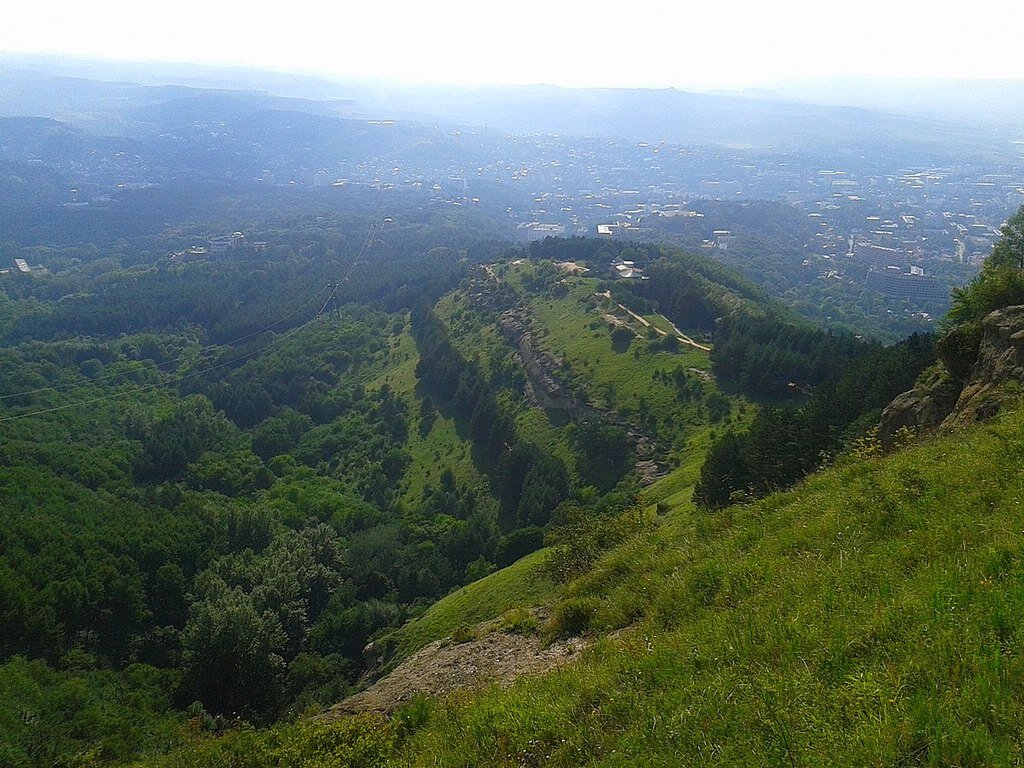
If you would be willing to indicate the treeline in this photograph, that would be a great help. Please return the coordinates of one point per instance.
(236, 543)
(771, 357)
(133, 286)
(530, 483)
(598, 253)
(758, 347)
(783, 445)
(694, 291)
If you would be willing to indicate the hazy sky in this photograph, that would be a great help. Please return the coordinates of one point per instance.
(723, 43)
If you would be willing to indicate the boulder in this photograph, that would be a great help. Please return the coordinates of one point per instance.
(940, 403)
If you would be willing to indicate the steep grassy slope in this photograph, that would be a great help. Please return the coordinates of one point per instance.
(873, 616)
(434, 442)
(522, 584)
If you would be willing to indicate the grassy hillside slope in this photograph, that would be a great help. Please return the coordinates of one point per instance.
(522, 584)
(434, 442)
(872, 616)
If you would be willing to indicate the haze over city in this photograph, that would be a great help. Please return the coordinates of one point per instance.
(725, 45)
(467, 384)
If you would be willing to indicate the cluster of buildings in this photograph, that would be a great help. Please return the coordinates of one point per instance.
(218, 245)
(623, 269)
(913, 284)
(865, 221)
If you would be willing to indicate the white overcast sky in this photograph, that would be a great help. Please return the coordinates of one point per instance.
(642, 43)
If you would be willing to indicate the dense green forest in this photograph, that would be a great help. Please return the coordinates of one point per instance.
(220, 485)
(203, 482)
(231, 482)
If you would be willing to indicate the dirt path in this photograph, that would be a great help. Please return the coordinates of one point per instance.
(679, 334)
(683, 337)
(444, 666)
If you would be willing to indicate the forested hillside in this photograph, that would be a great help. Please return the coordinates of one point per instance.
(235, 484)
(868, 616)
(211, 492)
(223, 478)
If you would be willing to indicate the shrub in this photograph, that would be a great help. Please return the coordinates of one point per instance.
(518, 621)
(463, 634)
(958, 349)
(572, 618)
(621, 338)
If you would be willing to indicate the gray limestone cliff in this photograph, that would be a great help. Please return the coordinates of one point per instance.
(941, 403)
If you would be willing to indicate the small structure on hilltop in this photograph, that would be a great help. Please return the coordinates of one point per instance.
(22, 266)
(626, 270)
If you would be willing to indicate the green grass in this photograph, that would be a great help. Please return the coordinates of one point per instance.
(476, 336)
(624, 380)
(442, 445)
(571, 328)
(628, 381)
(522, 584)
(364, 741)
(873, 616)
(691, 459)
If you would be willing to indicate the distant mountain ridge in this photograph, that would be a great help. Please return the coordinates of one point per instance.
(785, 118)
(976, 101)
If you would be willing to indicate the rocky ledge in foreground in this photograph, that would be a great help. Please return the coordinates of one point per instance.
(942, 403)
(445, 666)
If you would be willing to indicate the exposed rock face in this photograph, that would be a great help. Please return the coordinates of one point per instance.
(541, 367)
(998, 372)
(922, 409)
(941, 403)
(492, 656)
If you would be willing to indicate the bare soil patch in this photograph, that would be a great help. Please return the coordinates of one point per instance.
(444, 666)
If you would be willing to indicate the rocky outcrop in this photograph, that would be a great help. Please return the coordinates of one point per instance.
(542, 369)
(922, 409)
(997, 374)
(489, 655)
(940, 403)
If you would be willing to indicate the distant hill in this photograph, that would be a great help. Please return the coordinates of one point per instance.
(973, 101)
(785, 118)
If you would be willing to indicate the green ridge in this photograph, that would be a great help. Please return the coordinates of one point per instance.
(872, 616)
(522, 584)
